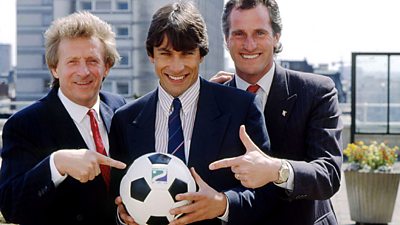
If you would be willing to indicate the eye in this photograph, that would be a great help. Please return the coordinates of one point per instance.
(260, 33)
(238, 34)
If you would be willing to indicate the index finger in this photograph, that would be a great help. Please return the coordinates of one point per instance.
(223, 163)
(107, 161)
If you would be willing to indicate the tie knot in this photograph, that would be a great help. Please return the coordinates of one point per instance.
(176, 103)
(92, 113)
(253, 88)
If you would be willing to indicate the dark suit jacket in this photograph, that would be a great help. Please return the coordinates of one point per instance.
(309, 136)
(27, 193)
(215, 135)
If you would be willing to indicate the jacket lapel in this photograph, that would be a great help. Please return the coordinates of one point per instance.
(142, 128)
(61, 124)
(208, 131)
(279, 105)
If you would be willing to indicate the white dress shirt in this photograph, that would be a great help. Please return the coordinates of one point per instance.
(189, 101)
(79, 115)
(265, 85)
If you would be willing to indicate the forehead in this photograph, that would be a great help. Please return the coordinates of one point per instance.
(254, 18)
(80, 46)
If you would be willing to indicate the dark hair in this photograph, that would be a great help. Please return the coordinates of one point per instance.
(184, 26)
(276, 21)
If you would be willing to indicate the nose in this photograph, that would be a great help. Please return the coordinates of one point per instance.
(177, 65)
(83, 69)
(249, 44)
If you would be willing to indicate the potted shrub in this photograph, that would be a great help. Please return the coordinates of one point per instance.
(371, 182)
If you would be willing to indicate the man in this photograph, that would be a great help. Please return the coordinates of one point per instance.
(48, 175)
(302, 117)
(176, 44)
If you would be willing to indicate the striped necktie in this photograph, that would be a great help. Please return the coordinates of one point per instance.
(176, 144)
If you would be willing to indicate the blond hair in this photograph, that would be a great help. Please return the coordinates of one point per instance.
(77, 25)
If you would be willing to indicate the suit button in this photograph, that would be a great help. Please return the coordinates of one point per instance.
(79, 217)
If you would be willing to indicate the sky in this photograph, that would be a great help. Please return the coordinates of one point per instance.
(321, 31)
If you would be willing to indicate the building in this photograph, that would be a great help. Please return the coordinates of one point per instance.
(130, 19)
(5, 59)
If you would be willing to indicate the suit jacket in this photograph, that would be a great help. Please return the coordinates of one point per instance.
(27, 193)
(215, 135)
(302, 118)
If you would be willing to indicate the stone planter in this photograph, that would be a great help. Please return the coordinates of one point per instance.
(371, 196)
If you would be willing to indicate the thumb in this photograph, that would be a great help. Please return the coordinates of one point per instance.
(199, 181)
(246, 140)
(107, 161)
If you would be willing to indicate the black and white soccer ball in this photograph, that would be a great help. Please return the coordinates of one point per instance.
(150, 185)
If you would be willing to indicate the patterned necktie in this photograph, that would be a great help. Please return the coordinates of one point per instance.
(176, 144)
(253, 88)
(105, 170)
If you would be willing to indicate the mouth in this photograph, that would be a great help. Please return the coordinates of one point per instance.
(83, 83)
(176, 78)
(250, 56)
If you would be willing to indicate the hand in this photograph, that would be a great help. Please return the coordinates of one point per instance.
(83, 164)
(222, 77)
(206, 203)
(253, 169)
(123, 214)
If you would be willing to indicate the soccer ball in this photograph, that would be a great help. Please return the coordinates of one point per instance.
(150, 185)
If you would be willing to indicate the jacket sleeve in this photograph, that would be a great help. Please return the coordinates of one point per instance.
(25, 178)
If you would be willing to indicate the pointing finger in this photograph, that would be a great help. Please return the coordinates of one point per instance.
(246, 140)
(223, 163)
(107, 161)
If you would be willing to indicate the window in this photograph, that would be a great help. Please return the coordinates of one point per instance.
(122, 5)
(107, 86)
(122, 31)
(123, 87)
(125, 59)
(103, 5)
(86, 5)
(46, 19)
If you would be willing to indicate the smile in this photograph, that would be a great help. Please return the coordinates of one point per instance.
(176, 77)
(83, 82)
(253, 56)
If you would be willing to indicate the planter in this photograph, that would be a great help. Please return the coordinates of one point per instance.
(371, 196)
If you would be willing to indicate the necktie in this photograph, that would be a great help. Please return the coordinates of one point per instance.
(253, 88)
(105, 170)
(175, 133)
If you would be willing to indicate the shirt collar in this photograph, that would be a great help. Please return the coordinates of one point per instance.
(187, 98)
(76, 111)
(264, 83)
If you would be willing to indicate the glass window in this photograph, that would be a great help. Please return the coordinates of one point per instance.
(86, 5)
(394, 97)
(103, 5)
(106, 86)
(47, 19)
(122, 31)
(122, 5)
(123, 87)
(125, 59)
(371, 93)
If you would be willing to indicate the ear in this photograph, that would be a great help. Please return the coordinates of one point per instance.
(108, 67)
(54, 72)
(151, 59)
(276, 38)
(201, 59)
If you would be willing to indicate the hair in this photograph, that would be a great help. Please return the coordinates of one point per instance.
(79, 25)
(276, 21)
(182, 24)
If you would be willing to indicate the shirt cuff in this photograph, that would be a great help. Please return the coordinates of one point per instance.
(56, 177)
(226, 214)
(289, 184)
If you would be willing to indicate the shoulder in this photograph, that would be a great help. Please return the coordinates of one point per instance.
(225, 92)
(137, 105)
(308, 80)
(112, 100)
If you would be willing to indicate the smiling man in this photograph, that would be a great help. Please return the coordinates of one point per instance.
(55, 167)
(209, 120)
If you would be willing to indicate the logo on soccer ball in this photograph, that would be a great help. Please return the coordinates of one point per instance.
(159, 175)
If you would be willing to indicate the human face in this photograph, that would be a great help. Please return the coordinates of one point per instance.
(177, 70)
(81, 69)
(251, 42)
